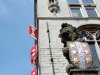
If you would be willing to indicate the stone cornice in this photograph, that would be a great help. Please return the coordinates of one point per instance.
(67, 18)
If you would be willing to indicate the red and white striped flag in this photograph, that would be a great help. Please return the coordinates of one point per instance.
(33, 32)
(34, 55)
(34, 72)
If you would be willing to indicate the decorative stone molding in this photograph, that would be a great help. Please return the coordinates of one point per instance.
(53, 6)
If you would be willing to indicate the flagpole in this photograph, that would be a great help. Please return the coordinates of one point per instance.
(50, 48)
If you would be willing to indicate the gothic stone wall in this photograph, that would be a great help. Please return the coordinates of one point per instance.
(56, 46)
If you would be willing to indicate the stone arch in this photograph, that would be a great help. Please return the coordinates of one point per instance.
(89, 27)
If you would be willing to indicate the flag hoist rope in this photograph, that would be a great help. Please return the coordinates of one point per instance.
(50, 48)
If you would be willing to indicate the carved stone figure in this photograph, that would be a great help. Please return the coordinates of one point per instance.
(68, 33)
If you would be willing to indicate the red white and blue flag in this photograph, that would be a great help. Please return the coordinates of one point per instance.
(33, 55)
(34, 72)
(33, 32)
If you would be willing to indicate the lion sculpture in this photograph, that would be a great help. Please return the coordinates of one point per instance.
(68, 33)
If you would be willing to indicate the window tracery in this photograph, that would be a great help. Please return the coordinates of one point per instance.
(87, 35)
(90, 32)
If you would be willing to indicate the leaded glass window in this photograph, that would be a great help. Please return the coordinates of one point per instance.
(91, 12)
(76, 12)
(89, 6)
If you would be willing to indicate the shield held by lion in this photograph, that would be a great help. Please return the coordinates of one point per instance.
(80, 54)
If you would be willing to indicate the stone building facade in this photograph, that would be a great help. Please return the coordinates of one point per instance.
(82, 14)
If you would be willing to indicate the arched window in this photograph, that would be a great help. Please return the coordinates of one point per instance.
(91, 34)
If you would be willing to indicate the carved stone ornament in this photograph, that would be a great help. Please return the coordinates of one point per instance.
(77, 55)
(69, 33)
(53, 6)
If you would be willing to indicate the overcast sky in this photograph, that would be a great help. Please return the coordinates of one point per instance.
(15, 42)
